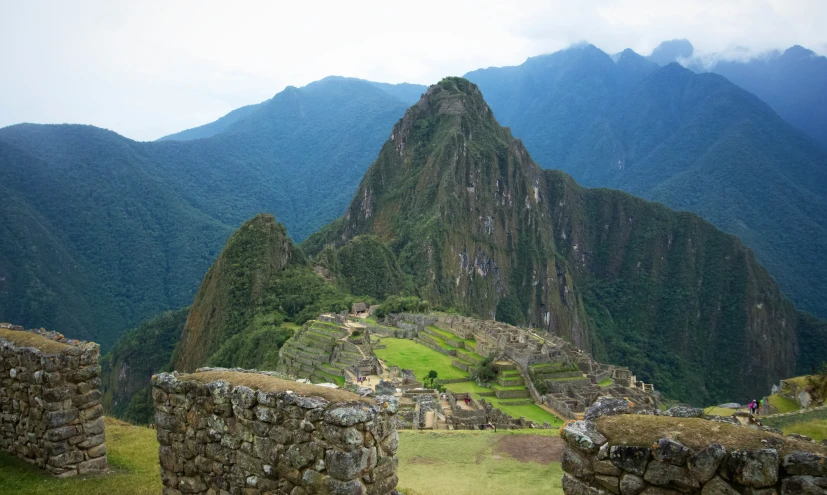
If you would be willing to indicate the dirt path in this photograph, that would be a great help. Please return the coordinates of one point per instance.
(525, 448)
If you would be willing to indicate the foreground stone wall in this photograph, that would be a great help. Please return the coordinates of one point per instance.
(222, 433)
(50, 402)
(715, 459)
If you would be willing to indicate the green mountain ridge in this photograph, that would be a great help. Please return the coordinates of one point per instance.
(477, 224)
(102, 232)
(691, 141)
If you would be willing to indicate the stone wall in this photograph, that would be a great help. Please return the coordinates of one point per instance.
(236, 432)
(50, 403)
(654, 455)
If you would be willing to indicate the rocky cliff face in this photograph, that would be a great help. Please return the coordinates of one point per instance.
(478, 224)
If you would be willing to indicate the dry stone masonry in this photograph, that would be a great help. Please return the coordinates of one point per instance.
(613, 452)
(232, 432)
(50, 403)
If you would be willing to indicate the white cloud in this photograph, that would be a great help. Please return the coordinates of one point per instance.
(145, 69)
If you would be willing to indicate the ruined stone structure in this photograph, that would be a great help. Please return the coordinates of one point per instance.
(568, 376)
(224, 431)
(633, 454)
(50, 403)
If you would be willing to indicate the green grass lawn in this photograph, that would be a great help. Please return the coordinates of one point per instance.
(605, 383)
(719, 411)
(468, 462)
(133, 456)
(465, 387)
(408, 354)
(783, 404)
(530, 411)
(812, 423)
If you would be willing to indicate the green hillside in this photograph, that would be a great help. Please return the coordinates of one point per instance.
(693, 142)
(477, 224)
(101, 232)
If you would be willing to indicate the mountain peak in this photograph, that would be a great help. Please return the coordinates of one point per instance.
(671, 51)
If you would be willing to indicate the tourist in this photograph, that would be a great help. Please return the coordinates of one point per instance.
(760, 406)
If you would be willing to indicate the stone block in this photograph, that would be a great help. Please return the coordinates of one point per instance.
(573, 486)
(93, 465)
(583, 436)
(703, 465)
(576, 463)
(754, 468)
(630, 458)
(59, 418)
(631, 484)
(671, 452)
(805, 463)
(663, 474)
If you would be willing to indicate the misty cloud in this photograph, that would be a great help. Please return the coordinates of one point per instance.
(145, 69)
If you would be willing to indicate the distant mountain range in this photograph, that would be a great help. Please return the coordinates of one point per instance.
(691, 141)
(101, 232)
(792, 82)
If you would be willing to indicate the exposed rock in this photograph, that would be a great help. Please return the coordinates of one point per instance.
(607, 406)
(661, 473)
(685, 412)
(630, 458)
(631, 484)
(755, 468)
(573, 486)
(801, 485)
(717, 486)
(576, 463)
(670, 451)
(583, 435)
(703, 465)
(805, 463)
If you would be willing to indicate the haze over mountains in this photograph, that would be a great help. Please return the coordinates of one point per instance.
(132, 227)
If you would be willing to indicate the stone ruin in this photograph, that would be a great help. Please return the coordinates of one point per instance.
(568, 376)
(223, 431)
(613, 452)
(50, 401)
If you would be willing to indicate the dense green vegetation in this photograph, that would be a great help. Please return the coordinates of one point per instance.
(128, 367)
(478, 226)
(101, 232)
(259, 280)
(690, 141)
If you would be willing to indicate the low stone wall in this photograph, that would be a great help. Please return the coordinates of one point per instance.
(50, 403)
(656, 455)
(235, 432)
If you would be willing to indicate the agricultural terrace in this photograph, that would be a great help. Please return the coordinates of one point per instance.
(421, 359)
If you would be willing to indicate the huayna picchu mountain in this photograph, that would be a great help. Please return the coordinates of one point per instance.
(480, 227)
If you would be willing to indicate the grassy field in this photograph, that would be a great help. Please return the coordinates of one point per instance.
(466, 463)
(408, 354)
(719, 411)
(783, 404)
(813, 424)
(133, 456)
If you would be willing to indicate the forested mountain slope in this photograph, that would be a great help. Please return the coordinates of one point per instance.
(792, 82)
(691, 141)
(102, 232)
(480, 226)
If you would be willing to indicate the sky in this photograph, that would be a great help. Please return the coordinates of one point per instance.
(149, 68)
